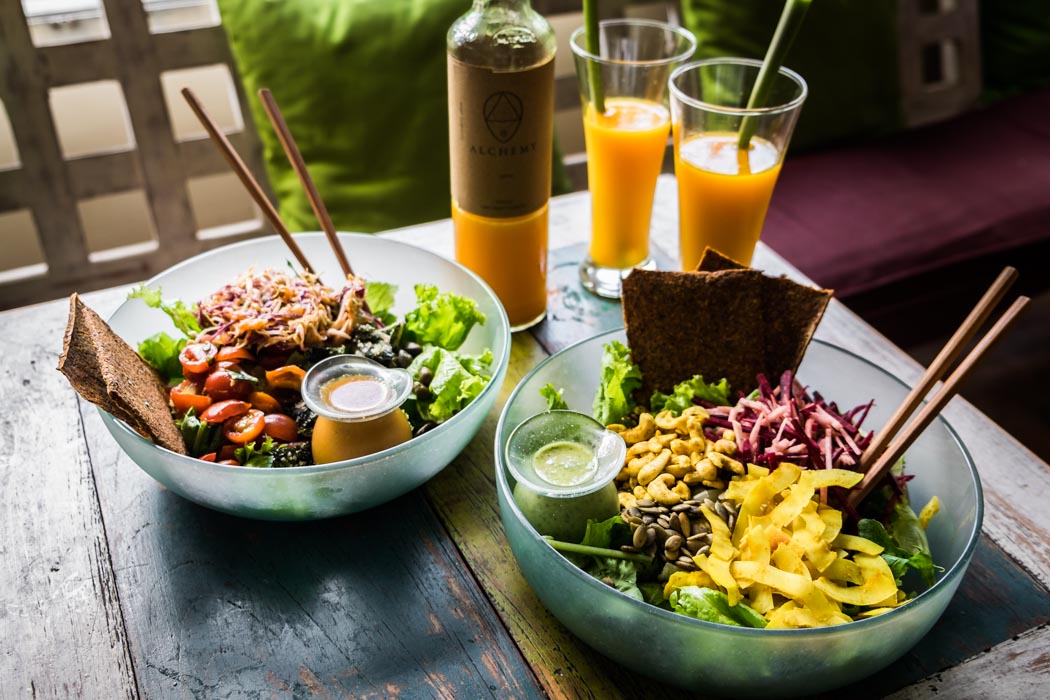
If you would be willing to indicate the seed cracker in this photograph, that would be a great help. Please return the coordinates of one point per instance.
(109, 373)
(731, 323)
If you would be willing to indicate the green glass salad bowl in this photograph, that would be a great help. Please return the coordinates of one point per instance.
(735, 661)
(326, 490)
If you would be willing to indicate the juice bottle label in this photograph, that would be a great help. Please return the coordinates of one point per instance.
(501, 127)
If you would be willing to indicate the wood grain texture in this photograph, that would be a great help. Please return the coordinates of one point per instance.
(63, 629)
(986, 676)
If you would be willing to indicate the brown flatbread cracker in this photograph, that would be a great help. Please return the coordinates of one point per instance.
(109, 373)
(713, 261)
(733, 323)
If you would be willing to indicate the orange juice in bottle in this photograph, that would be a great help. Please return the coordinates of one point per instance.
(501, 116)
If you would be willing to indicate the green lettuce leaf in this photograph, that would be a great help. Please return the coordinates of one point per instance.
(161, 352)
(619, 379)
(713, 606)
(181, 315)
(441, 319)
(458, 379)
(619, 573)
(683, 394)
(252, 455)
(200, 437)
(380, 299)
(555, 402)
(904, 543)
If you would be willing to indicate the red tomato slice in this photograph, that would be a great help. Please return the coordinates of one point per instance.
(210, 457)
(281, 427)
(264, 402)
(221, 385)
(231, 353)
(224, 410)
(187, 395)
(195, 358)
(227, 452)
(245, 428)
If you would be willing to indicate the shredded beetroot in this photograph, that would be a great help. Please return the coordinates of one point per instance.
(786, 424)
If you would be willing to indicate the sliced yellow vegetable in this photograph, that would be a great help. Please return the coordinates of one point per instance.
(928, 511)
(718, 570)
(791, 507)
(822, 478)
(857, 544)
(878, 583)
(680, 579)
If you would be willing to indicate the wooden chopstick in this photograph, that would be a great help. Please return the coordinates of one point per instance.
(242, 172)
(905, 439)
(291, 149)
(948, 354)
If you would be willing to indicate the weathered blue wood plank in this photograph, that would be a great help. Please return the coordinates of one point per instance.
(377, 604)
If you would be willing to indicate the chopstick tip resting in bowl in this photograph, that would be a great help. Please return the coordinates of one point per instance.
(891, 442)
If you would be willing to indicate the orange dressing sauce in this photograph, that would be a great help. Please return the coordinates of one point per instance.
(334, 441)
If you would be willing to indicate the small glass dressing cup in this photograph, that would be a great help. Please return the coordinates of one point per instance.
(345, 432)
(558, 501)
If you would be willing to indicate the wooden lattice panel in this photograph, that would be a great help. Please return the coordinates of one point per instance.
(50, 186)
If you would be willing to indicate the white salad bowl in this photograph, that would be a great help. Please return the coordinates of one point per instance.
(716, 659)
(326, 490)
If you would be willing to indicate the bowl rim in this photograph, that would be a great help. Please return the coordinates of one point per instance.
(950, 574)
(366, 461)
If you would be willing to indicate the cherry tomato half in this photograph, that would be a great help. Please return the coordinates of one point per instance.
(281, 427)
(232, 353)
(287, 377)
(231, 462)
(210, 457)
(187, 395)
(195, 358)
(264, 402)
(222, 384)
(224, 410)
(243, 429)
(227, 451)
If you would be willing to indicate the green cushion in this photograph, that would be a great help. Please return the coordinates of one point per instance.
(846, 51)
(362, 85)
(1015, 46)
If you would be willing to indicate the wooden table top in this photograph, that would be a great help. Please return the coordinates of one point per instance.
(111, 586)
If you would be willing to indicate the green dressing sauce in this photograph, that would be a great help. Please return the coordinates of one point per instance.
(564, 463)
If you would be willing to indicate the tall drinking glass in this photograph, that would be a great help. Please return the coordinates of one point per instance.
(626, 140)
(724, 191)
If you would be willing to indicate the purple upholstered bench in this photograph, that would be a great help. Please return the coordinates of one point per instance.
(858, 218)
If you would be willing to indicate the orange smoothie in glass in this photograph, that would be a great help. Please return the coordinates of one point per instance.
(625, 149)
(511, 256)
(722, 196)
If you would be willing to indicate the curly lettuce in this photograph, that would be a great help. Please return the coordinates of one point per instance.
(441, 319)
(620, 378)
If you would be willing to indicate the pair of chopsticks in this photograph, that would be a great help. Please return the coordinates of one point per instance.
(291, 150)
(888, 446)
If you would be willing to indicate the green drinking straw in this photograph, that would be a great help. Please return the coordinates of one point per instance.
(784, 36)
(593, 45)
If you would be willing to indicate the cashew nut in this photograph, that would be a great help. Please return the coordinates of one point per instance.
(726, 447)
(722, 461)
(682, 489)
(659, 489)
(643, 431)
(627, 500)
(706, 469)
(635, 465)
(654, 468)
(665, 420)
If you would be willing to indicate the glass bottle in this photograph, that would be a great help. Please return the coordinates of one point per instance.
(501, 115)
